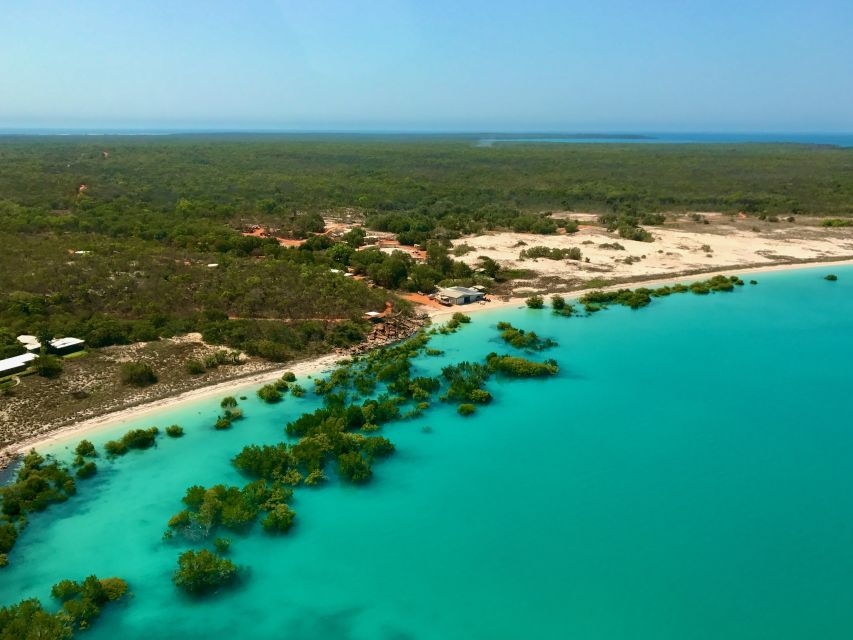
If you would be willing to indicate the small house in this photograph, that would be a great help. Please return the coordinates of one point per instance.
(459, 295)
(64, 346)
(59, 346)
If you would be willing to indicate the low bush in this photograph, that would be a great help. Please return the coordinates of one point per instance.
(535, 302)
(203, 571)
(137, 374)
(268, 393)
(466, 409)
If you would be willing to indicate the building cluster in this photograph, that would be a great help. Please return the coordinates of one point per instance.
(57, 346)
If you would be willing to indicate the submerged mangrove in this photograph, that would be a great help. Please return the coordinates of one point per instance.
(359, 397)
(133, 439)
(81, 605)
(521, 339)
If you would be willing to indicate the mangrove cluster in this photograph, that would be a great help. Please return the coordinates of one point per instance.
(203, 571)
(81, 603)
(521, 339)
(641, 297)
(359, 397)
(133, 439)
(41, 481)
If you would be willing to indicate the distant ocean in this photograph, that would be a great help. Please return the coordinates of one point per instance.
(835, 139)
(485, 139)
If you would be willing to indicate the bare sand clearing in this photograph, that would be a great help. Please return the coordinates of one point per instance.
(676, 250)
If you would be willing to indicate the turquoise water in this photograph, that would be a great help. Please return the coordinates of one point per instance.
(687, 475)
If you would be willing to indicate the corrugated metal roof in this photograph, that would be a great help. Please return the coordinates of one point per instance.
(16, 361)
(464, 291)
(61, 343)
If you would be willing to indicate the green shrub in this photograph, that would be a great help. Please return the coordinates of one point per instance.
(831, 277)
(87, 470)
(573, 253)
(279, 519)
(268, 393)
(520, 367)
(203, 571)
(461, 318)
(535, 302)
(521, 339)
(115, 448)
(86, 449)
(174, 431)
(133, 439)
(47, 366)
(138, 374)
(466, 409)
(194, 367)
(353, 467)
(141, 438)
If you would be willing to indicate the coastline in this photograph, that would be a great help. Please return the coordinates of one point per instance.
(440, 315)
(315, 365)
(133, 413)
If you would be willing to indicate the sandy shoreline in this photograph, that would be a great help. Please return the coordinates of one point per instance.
(135, 413)
(316, 365)
(440, 315)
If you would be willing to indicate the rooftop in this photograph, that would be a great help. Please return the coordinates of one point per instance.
(31, 342)
(16, 361)
(463, 291)
(61, 343)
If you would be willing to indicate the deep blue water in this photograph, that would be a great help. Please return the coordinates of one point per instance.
(836, 139)
(686, 475)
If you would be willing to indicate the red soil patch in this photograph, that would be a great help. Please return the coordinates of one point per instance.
(419, 298)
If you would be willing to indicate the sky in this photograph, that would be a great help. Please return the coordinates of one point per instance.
(429, 65)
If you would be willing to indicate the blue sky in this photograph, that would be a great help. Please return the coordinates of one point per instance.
(594, 65)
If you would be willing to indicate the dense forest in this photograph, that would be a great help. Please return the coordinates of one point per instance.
(110, 238)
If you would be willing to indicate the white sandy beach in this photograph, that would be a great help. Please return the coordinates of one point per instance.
(135, 413)
(441, 315)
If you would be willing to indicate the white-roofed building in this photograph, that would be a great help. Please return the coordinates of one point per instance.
(58, 345)
(66, 345)
(31, 343)
(16, 364)
(459, 295)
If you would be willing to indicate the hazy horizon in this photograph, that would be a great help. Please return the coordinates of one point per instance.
(464, 67)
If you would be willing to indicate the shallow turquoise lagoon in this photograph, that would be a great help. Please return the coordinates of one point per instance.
(689, 474)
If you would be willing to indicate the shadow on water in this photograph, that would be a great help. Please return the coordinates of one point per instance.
(8, 473)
